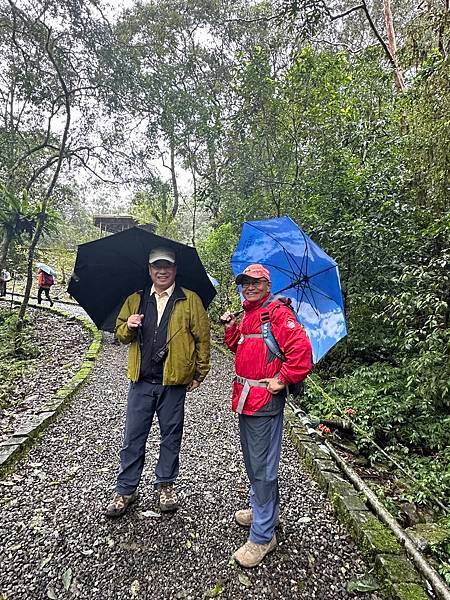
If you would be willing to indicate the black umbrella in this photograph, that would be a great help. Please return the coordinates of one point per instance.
(108, 270)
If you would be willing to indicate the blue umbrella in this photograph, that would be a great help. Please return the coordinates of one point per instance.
(46, 269)
(300, 270)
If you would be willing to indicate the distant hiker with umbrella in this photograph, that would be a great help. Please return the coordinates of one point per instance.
(167, 328)
(46, 278)
(263, 374)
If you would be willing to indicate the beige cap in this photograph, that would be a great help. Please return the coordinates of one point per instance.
(161, 254)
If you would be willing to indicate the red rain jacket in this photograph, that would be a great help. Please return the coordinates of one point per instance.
(45, 280)
(252, 354)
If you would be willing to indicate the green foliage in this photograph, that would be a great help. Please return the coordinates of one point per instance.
(155, 206)
(215, 252)
(19, 217)
(17, 213)
(408, 425)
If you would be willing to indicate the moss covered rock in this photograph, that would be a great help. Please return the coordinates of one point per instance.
(396, 569)
(373, 537)
(408, 591)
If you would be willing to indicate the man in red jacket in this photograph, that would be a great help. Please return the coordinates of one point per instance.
(259, 395)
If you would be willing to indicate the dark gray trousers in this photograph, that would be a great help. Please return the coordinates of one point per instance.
(144, 399)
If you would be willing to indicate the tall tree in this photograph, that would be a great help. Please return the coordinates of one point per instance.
(47, 92)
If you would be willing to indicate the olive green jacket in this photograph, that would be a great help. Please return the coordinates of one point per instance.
(188, 336)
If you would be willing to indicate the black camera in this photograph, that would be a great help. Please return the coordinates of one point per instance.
(160, 356)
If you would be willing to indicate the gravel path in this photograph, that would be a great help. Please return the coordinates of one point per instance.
(55, 542)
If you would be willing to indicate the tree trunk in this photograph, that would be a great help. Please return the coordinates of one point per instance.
(4, 247)
(392, 44)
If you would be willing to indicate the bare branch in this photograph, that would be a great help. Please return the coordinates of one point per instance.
(344, 14)
(68, 113)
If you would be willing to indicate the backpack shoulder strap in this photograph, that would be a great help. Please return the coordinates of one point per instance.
(268, 337)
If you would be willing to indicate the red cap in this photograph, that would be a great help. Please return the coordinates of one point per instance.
(255, 271)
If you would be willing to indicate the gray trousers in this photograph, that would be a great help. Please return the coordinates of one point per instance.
(144, 399)
(261, 439)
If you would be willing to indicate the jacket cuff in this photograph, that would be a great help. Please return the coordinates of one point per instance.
(282, 377)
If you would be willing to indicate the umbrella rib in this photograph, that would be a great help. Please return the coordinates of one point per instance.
(311, 300)
(298, 302)
(321, 293)
(323, 271)
(290, 273)
(313, 291)
(275, 240)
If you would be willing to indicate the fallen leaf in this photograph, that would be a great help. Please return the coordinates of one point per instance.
(244, 580)
(305, 520)
(67, 578)
(148, 514)
(188, 544)
(51, 593)
(360, 586)
(135, 588)
(16, 547)
(181, 594)
(217, 590)
(131, 546)
(74, 469)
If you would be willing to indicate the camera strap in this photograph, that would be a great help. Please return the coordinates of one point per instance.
(166, 345)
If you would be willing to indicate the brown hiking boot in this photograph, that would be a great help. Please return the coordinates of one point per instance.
(244, 517)
(168, 499)
(119, 504)
(251, 555)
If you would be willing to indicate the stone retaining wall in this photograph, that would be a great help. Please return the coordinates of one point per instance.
(394, 570)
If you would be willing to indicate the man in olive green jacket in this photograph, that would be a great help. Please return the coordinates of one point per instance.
(167, 329)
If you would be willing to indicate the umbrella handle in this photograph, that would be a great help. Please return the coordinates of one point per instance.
(235, 314)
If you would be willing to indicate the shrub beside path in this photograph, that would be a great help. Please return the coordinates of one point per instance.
(56, 543)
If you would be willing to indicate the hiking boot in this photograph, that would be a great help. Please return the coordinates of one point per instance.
(168, 499)
(251, 555)
(244, 518)
(119, 504)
